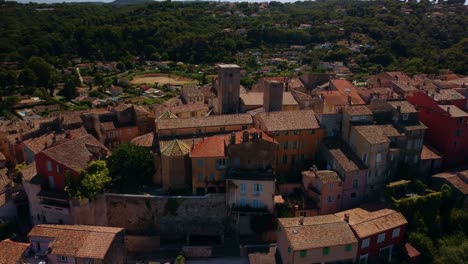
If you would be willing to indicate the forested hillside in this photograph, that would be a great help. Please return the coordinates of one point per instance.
(411, 37)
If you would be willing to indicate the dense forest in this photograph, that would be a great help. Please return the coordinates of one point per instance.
(413, 37)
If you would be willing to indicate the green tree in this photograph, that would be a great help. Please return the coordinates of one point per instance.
(27, 78)
(180, 260)
(69, 90)
(41, 69)
(131, 166)
(90, 181)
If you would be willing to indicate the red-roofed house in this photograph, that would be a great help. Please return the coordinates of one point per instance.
(377, 231)
(12, 252)
(347, 90)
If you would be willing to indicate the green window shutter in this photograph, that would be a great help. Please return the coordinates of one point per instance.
(326, 251)
(303, 253)
(289, 249)
(348, 248)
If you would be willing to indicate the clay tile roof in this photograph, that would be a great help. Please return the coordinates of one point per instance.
(405, 86)
(167, 115)
(191, 90)
(428, 153)
(405, 106)
(358, 110)
(78, 241)
(38, 144)
(376, 134)
(175, 148)
(11, 252)
(207, 121)
(325, 176)
(448, 94)
(288, 120)
(256, 98)
(146, 140)
(317, 232)
(454, 181)
(2, 157)
(454, 111)
(122, 107)
(209, 147)
(348, 89)
(239, 136)
(343, 154)
(367, 223)
(4, 180)
(80, 156)
(29, 173)
(411, 251)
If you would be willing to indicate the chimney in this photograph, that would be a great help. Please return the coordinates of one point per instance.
(448, 109)
(398, 109)
(346, 218)
(437, 90)
(245, 136)
(301, 220)
(232, 138)
(349, 100)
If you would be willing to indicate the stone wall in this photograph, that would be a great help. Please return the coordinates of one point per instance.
(141, 244)
(167, 215)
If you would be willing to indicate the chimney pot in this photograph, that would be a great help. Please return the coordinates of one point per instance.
(301, 220)
(346, 218)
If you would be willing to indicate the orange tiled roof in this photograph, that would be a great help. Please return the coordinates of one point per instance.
(367, 223)
(239, 136)
(145, 140)
(317, 232)
(454, 181)
(429, 153)
(209, 147)
(288, 120)
(78, 158)
(78, 240)
(348, 89)
(11, 252)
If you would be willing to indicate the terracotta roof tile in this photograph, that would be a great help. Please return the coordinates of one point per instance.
(210, 147)
(175, 148)
(78, 240)
(428, 153)
(405, 106)
(325, 176)
(317, 232)
(376, 134)
(454, 181)
(146, 140)
(256, 99)
(448, 94)
(208, 121)
(191, 90)
(453, 110)
(80, 156)
(11, 252)
(358, 110)
(367, 223)
(348, 89)
(288, 120)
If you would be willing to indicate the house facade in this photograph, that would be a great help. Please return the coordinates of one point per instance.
(379, 232)
(298, 134)
(91, 244)
(318, 239)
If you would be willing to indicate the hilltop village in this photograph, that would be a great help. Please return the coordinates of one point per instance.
(328, 170)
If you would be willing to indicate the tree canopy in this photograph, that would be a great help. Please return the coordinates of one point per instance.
(90, 182)
(131, 166)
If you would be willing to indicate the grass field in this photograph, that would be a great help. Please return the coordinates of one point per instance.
(161, 79)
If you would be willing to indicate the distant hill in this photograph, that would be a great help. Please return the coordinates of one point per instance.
(130, 2)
